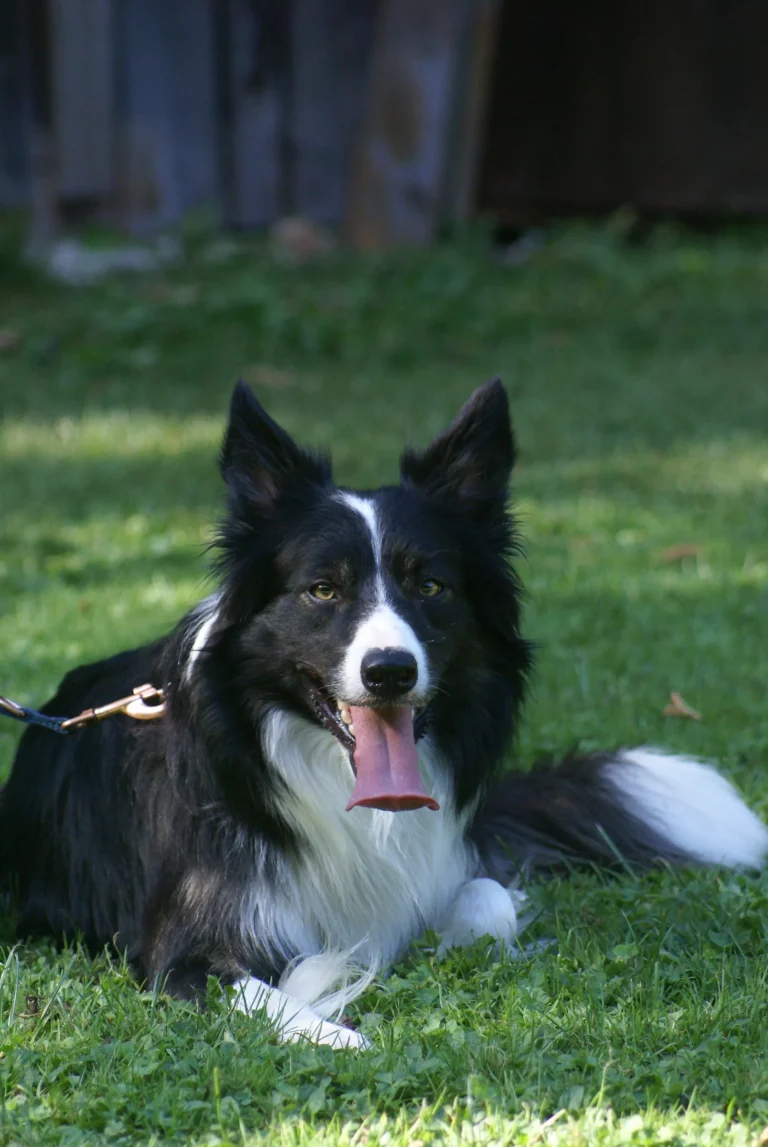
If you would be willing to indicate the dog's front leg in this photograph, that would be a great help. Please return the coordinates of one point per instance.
(292, 1019)
(480, 908)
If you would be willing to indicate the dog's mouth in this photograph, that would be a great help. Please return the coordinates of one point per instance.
(381, 742)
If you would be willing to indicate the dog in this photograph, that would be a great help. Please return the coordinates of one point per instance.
(323, 786)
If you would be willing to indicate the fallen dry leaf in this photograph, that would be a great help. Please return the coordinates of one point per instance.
(678, 707)
(295, 239)
(677, 553)
(32, 1004)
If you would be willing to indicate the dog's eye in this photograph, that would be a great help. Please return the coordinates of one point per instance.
(322, 591)
(430, 588)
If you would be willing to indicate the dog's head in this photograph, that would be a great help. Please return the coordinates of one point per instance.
(377, 613)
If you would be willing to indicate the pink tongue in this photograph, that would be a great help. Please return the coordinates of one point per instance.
(386, 761)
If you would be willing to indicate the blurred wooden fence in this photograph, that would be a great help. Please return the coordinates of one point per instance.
(154, 107)
(372, 115)
(661, 104)
(342, 111)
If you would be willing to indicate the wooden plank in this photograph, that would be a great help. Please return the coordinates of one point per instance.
(33, 59)
(256, 129)
(470, 110)
(558, 66)
(168, 150)
(400, 162)
(190, 58)
(739, 150)
(331, 42)
(666, 98)
(82, 63)
(662, 106)
(14, 117)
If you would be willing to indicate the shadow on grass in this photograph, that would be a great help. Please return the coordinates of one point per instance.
(73, 488)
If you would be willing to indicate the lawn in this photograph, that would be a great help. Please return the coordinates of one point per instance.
(638, 376)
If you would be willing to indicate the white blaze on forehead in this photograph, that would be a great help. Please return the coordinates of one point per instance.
(383, 627)
(366, 510)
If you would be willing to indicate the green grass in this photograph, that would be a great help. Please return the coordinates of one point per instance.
(638, 386)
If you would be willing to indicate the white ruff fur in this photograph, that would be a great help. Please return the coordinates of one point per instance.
(364, 883)
(691, 805)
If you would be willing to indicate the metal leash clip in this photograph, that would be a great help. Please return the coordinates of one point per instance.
(134, 706)
(12, 708)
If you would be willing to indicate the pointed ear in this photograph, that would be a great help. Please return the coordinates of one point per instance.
(259, 459)
(470, 463)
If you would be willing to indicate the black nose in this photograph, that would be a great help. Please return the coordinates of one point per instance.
(389, 672)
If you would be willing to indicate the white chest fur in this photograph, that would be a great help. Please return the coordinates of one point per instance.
(366, 882)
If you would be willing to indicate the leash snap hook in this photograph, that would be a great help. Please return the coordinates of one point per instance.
(134, 706)
(138, 708)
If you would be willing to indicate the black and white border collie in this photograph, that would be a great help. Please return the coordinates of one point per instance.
(322, 787)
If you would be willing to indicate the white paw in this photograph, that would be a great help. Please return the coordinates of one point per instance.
(322, 1031)
(481, 907)
(293, 1020)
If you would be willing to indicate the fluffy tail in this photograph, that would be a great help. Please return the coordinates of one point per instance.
(640, 806)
